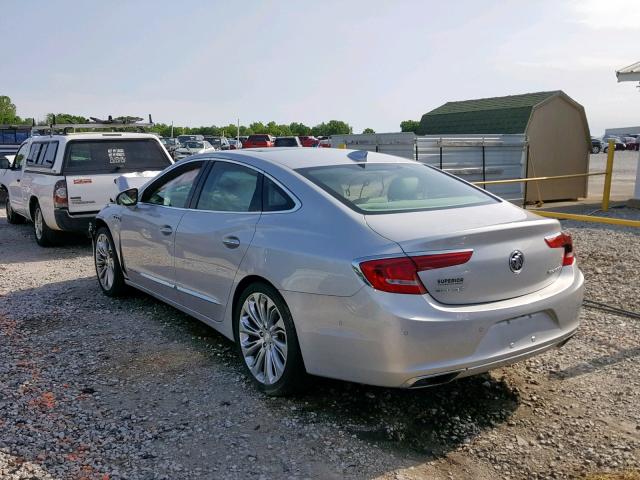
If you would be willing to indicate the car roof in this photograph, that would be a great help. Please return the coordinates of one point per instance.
(294, 158)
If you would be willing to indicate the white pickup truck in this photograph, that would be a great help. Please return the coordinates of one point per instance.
(60, 182)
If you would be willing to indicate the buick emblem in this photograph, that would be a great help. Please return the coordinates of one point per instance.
(516, 261)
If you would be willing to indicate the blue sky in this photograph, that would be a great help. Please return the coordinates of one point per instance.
(370, 63)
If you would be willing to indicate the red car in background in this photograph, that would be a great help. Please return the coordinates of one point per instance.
(258, 141)
(308, 141)
(324, 142)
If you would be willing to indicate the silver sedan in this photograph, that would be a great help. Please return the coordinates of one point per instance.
(345, 264)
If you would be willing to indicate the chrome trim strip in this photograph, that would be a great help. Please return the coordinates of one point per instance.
(156, 279)
(197, 295)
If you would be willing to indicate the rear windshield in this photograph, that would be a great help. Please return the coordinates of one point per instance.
(378, 188)
(286, 142)
(258, 138)
(111, 156)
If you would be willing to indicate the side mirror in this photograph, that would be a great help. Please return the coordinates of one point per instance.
(128, 198)
(4, 164)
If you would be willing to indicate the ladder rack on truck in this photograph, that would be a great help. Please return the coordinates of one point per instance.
(113, 124)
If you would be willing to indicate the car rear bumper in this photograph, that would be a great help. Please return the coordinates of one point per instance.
(408, 341)
(68, 222)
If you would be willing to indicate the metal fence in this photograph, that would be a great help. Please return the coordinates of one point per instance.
(478, 158)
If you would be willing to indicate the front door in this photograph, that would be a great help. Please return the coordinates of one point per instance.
(213, 237)
(15, 183)
(147, 230)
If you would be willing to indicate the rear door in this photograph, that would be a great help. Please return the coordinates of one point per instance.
(91, 166)
(214, 235)
(147, 230)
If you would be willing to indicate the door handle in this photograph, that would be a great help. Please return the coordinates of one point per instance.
(166, 230)
(231, 242)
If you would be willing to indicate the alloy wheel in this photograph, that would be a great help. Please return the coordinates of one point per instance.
(38, 223)
(105, 265)
(263, 338)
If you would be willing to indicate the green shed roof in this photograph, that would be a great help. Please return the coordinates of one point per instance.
(485, 115)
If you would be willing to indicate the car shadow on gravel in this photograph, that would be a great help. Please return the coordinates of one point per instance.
(429, 421)
(422, 423)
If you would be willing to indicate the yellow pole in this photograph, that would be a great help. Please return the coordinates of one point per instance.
(607, 179)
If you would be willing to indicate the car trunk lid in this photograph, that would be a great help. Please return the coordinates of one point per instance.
(499, 236)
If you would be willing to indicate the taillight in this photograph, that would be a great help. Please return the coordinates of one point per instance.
(400, 274)
(562, 240)
(60, 198)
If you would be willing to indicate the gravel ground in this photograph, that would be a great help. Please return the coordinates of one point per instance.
(96, 388)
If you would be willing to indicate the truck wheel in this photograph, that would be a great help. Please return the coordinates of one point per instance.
(12, 217)
(45, 236)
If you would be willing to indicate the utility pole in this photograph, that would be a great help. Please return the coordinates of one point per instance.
(238, 136)
(171, 128)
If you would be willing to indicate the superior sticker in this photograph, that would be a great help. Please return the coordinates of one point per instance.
(80, 181)
(116, 155)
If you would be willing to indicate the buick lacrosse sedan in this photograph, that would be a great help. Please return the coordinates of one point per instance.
(362, 267)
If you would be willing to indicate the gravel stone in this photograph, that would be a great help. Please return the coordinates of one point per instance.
(99, 388)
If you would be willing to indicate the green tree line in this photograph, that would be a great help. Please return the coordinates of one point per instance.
(9, 116)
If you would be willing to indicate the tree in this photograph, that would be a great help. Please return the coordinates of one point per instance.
(409, 126)
(368, 130)
(299, 129)
(8, 111)
(333, 127)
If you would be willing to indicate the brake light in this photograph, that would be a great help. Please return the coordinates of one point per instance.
(60, 198)
(562, 240)
(400, 274)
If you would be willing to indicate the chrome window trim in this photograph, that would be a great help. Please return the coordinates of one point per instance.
(296, 200)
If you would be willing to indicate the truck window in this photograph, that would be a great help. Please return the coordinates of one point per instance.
(117, 155)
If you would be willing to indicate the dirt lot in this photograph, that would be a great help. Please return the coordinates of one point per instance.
(105, 389)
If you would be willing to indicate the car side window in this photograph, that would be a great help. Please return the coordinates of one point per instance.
(17, 162)
(32, 158)
(174, 188)
(275, 199)
(49, 156)
(231, 188)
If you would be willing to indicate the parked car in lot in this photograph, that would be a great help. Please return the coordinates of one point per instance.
(60, 182)
(308, 141)
(596, 145)
(219, 143)
(324, 142)
(234, 144)
(170, 144)
(631, 143)
(287, 142)
(182, 139)
(192, 147)
(618, 142)
(358, 266)
(258, 141)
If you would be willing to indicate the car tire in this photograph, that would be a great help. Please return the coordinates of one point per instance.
(12, 216)
(45, 236)
(267, 342)
(105, 259)
(595, 150)
(605, 149)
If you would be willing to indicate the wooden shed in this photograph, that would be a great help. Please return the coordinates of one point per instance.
(555, 126)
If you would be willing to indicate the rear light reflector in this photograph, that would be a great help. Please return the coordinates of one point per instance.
(400, 274)
(562, 240)
(60, 198)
